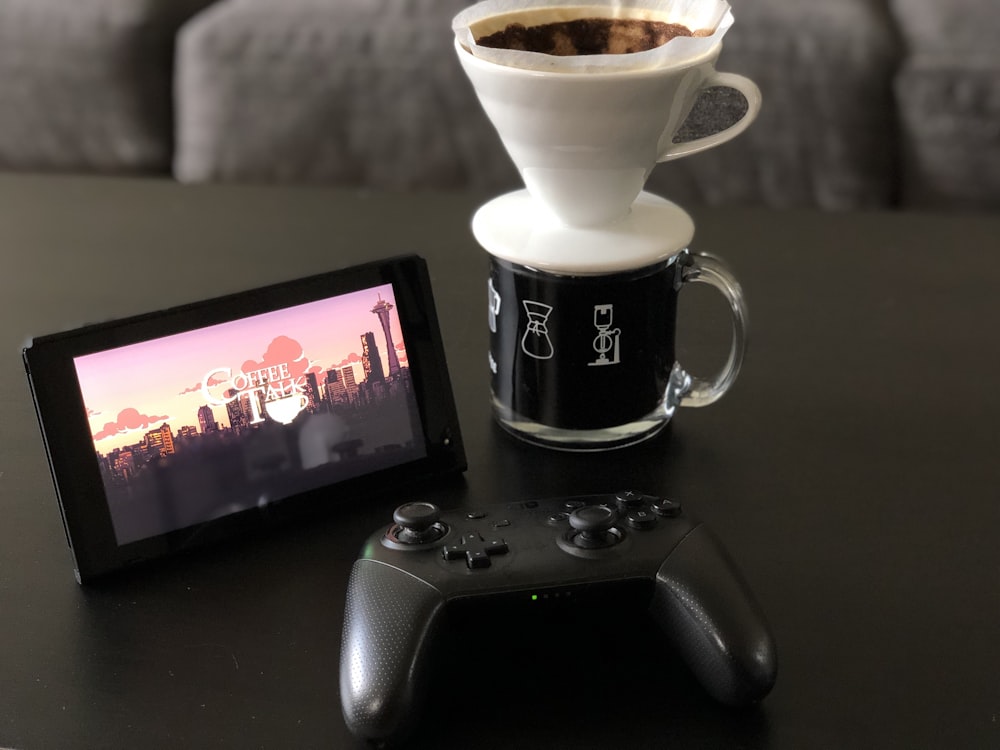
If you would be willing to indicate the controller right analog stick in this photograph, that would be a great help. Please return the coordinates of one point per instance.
(594, 525)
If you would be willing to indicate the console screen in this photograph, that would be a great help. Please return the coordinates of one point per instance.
(197, 426)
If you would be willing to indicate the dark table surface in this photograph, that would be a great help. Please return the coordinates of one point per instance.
(852, 472)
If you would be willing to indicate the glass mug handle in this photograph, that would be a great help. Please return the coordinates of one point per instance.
(685, 389)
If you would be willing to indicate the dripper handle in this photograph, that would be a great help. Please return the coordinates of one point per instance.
(750, 92)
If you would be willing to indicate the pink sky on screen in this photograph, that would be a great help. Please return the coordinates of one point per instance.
(162, 378)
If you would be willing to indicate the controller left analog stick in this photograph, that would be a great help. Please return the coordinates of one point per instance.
(417, 523)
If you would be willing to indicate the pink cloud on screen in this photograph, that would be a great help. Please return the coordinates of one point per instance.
(196, 388)
(401, 353)
(128, 419)
(282, 350)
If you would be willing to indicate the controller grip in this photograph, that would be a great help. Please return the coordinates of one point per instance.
(706, 608)
(389, 621)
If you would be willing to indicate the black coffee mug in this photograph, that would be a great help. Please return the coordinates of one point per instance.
(587, 362)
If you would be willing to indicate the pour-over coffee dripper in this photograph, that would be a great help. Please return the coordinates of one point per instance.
(585, 140)
(583, 236)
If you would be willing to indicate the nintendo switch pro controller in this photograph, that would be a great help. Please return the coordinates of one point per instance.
(426, 562)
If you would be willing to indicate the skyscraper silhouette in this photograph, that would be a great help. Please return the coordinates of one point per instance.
(371, 362)
(206, 419)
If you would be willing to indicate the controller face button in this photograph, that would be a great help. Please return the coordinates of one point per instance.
(475, 515)
(630, 499)
(572, 505)
(640, 519)
(501, 524)
(557, 518)
(667, 507)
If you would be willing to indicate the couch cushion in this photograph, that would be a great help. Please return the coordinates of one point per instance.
(368, 93)
(970, 27)
(826, 133)
(948, 94)
(86, 84)
(351, 92)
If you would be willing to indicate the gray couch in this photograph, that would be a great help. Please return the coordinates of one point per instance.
(867, 103)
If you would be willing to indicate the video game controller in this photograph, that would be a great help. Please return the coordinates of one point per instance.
(410, 574)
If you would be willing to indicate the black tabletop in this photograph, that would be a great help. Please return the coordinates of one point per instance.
(852, 472)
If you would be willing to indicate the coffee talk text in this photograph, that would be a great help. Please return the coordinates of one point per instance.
(266, 384)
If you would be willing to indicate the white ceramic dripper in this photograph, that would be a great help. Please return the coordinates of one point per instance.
(585, 143)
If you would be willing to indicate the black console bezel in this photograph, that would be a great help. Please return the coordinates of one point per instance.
(49, 362)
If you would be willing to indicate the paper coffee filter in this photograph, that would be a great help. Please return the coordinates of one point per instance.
(708, 19)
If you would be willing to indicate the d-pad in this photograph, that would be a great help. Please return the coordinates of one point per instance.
(475, 550)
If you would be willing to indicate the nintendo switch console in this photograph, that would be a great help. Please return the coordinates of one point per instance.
(186, 426)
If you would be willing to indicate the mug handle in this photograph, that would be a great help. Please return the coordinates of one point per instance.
(684, 389)
(750, 91)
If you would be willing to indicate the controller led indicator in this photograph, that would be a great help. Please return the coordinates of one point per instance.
(557, 595)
